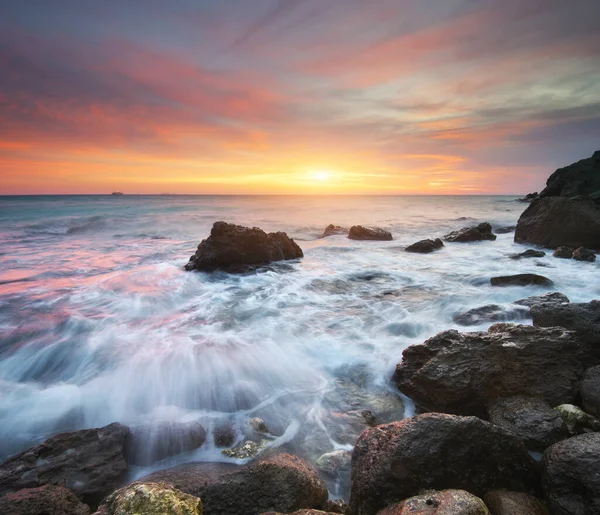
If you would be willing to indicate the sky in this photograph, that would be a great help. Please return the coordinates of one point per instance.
(295, 96)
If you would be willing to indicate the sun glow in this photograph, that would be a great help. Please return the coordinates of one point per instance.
(321, 175)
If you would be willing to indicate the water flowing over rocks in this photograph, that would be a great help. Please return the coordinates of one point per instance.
(457, 372)
(44, 500)
(590, 391)
(529, 253)
(583, 254)
(570, 477)
(491, 313)
(358, 232)
(395, 461)
(425, 246)
(235, 248)
(502, 502)
(521, 280)
(446, 502)
(480, 232)
(333, 230)
(281, 483)
(89, 462)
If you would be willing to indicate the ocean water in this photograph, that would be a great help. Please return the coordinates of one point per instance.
(99, 323)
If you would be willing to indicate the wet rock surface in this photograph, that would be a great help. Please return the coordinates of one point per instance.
(481, 232)
(358, 232)
(547, 298)
(590, 391)
(583, 254)
(529, 253)
(333, 230)
(44, 500)
(563, 252)
(395, 461)
(521, 280)
(425, 246)
(502, 502)
(446, 502)
(224, 435)
(491, 313)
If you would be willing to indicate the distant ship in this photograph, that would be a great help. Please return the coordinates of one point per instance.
(117, 193)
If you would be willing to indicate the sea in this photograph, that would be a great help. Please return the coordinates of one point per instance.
(99, 323)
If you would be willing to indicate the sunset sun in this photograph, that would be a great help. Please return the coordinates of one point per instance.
(321, 175)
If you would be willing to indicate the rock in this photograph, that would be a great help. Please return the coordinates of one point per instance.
(580, 178)
(332, 230)
(529, 253)
(150, 499)
(395, 461)
(490, 313)
(335, 506)
(258, 425)
(590, 391)
(89, 462)
(154, 442)
(521, 280)
(529, 197)
(301, 512)
(505, 230)
(332, 462)
(478, 233)
(224, 435)
(235, 248)
(425, 246)
(547, 298)
(556, 221)
(583, 254)
(358, 232)
(570, 477)
(247, 449)
(43, 500)
(446, 502)
(501, 502)
(563, 252)
(532, 420)
(464, 373)
(577, 420)
(280, 482)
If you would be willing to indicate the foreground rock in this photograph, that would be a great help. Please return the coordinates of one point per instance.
(282, 483)
(578, 179)
(234, 248)
(332, 230)
(531, 419)
(154, 442)
(529, 253)
(590, 391)
(521, 280)
(554, 297)
(90, 463)
(583, 254)
(501, 502)
(491, 313)
(425, 246)
(447, 502)
(480, 232)
(434, 451)
(150, 499)
(358, 232)
(460, 372)
(44, 500)
(570, 477)
(577, 420)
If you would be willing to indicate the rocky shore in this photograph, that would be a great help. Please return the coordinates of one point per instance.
(506, 418)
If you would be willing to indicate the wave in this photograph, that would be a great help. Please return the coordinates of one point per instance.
(69, 226)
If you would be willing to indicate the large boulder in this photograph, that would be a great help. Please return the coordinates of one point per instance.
(446, 502)
(521, 280)
(532, 420)
(480, 232)
(464, 373)
(358, 232)
(43, 500)
(570, 476)
(578, 179)
(590, 391)
(395, 461)
(89, 462)
(491, 313)
(503, 502)
(559, 221)
(280, 482)
(236, 248)
(425, 246)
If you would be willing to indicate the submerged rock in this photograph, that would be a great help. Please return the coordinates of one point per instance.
(480, 232)
(332, 230)
(505, 230)
(529, 253)
(224, 435)
(563, 252)
(90, 462)
(490, 313)
(502, 502)
(44, 500)
(150, 499)
(547, 298)
(247, 449)
(446, 502)
(460, 372)
(521, 280)
(425, 246)
(577, 420)
(583, 254)
(358, 232)
(590, 391)
(332, 462)
(234, 248)
(395, 461)
(258, 425)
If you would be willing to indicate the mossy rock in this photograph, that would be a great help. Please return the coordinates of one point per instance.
(577, 420)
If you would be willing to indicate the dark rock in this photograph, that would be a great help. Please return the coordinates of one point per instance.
(44, 500)
(577, 420)
(570, 477)
(224, 435)
(505, 230)
(478, 233)
(302, 512)
(529, 197)
(490, 313)
(425, 246)
(280, 482)
(558, 221)
(521, 280)
(89, 462)
(547, 298)
(335, 506)
(502, 502)
(583, 254)
(446, 502)
(395, 461)
(563, 252)
(529, 253)
(154, 442)
(235, 248)
(580, 178)
(358, 232)
(532, 420)
(332, 462)
(466, 372)
(590, 391)
(332, 230)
